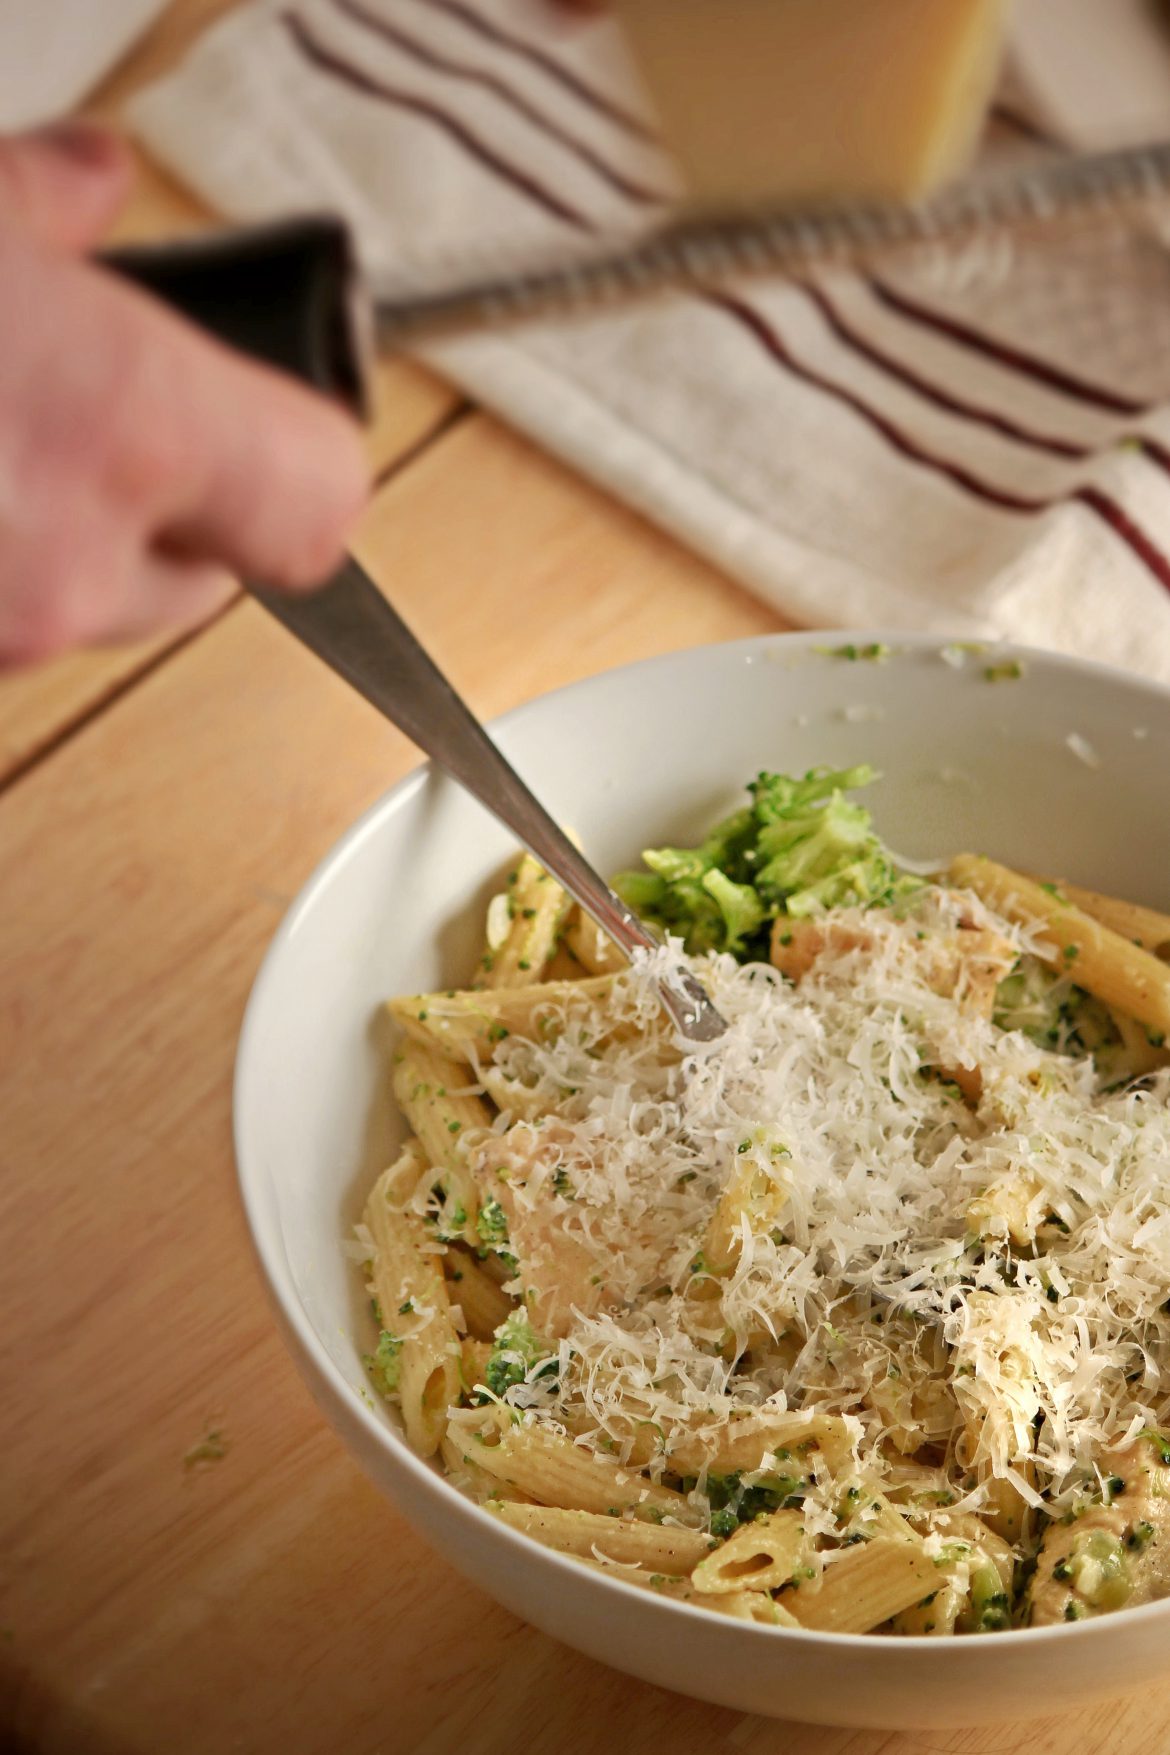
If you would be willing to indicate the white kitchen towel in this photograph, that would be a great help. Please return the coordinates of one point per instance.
(53, 52)
(980, 445)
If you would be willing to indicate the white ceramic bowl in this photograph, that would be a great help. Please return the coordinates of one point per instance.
(630, 759)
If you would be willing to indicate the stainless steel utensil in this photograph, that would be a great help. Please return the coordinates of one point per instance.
(350, 625)
(300, 275)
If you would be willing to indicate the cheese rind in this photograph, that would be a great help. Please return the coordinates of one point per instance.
(816, 100)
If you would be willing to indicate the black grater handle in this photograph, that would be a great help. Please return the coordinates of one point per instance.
(288, 294)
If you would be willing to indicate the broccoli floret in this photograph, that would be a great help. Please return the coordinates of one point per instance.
(515, 1350)
(799, 847)
(742, 911)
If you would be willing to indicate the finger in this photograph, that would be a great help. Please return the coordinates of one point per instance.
(257, 473)
(65, 183)
(165, 594)
(93, 582)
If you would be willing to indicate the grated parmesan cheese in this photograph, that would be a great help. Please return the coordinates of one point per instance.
(854, 1285)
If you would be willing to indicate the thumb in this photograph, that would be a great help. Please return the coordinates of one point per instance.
(64, 183)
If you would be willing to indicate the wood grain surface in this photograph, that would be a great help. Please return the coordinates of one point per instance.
(153, 1599)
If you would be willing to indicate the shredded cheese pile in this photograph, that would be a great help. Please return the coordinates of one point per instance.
(876, 1267)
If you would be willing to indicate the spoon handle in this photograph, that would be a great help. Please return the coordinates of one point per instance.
(351, 626)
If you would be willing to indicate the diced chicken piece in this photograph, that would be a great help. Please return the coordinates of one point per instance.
(966, 965)
(797, 944)
(1115, 1554)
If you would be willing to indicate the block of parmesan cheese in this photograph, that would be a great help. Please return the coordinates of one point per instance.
(816, 100)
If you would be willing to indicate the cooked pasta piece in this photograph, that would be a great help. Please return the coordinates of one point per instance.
(479, 1296)
(1097, 958)
(556, 1471)
(864, 1586)
(560, 1272)
(1114, 1550)
(431, 1089)
(756, 1193)
(523, 925)
(417, 1361)
(966, 964)
(1142, 926)
(462, 1470)
(595, 952)
(473, 1361)
(763, 1555)
(629, 1541)
(471, 1023)
(743, 1605)
(1006, 1512)
(1143, 1050)
(725, 1447)
(975, 1570)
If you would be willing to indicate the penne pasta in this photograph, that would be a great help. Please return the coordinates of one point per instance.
(628, 1541)
(1113, 968)
(753, 1442)
(762, 1555)
(473, 1360)
(597, 954)
(417, 1362)
(556, 1471)
(446, 1118)
(1142, 926)
(477, 1293)
(462, 1470)
(744, 1605)
(1006, 1512)
(755, 1194)
(470, 1023)
(864, 1586)
(523, 925)
(724, 1447)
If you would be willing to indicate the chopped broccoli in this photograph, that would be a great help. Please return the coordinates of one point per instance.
(1160, 1443)
(384, 1364)
(492, 1224)
(733, 1502)
(799, 847)
(516, 1349)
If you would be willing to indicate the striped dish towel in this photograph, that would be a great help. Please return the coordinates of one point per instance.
(980, 445)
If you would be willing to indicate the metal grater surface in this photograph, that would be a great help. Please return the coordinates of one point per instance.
(1006, 207)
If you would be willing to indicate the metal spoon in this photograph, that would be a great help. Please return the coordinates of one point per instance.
(350, 625)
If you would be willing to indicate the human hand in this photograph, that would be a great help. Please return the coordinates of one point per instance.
(139, 459)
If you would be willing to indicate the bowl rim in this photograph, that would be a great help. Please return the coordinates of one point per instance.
(822, 643)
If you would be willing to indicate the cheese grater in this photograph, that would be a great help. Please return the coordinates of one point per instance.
(291, 294)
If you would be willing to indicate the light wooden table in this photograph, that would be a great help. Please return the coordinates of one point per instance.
(158, 810)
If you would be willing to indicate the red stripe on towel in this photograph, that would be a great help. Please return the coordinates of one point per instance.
(327, 60)
(1004, 354)
(1112, 515)
(430, 57)
(936, 393)
(565, 76)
